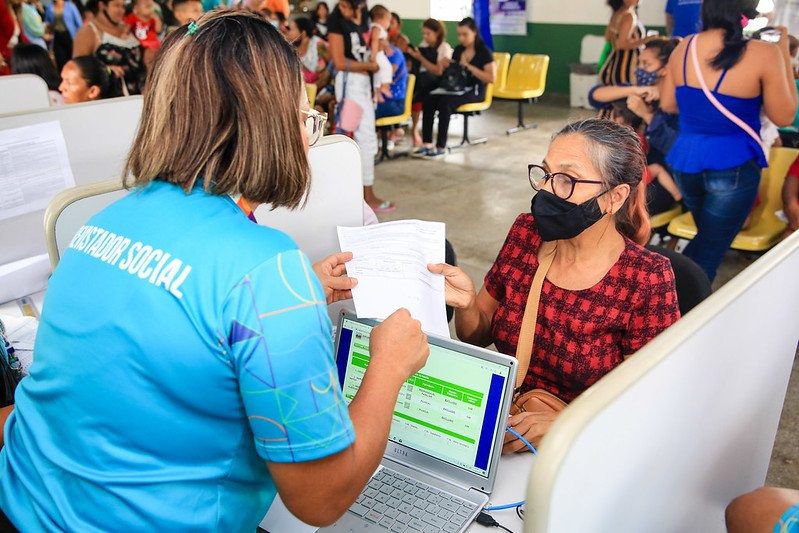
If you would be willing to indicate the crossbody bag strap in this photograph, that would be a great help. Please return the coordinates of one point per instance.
(715, 101)
(524, 350)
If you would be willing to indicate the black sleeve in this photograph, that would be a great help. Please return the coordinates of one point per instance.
(335, 22)
(456, 54)
(482, 57)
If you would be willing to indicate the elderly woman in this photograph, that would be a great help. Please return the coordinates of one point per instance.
(179, 386)
(604, 295)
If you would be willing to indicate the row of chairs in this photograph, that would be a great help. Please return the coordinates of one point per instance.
(765, 228)
(522, 79)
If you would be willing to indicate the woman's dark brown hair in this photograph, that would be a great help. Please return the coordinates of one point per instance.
(222, 105)
(436, 27)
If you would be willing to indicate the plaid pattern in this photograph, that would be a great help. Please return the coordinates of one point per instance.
(580, 335)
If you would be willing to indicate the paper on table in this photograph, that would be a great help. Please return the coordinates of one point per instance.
(390, 263)
(34, 167)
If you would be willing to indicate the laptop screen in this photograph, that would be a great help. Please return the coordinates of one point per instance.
(449, 410)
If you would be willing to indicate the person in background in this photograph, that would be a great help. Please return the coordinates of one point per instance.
(683, 17)
(145, 26)
(716, 163)
(64, 20)
(224, 392)
(790, 134)
(662, 192)
(395, 35)
(349, 52)
(477, 60)
(319, 18)
(625, 35)
(395, 105)
(85, 79)
(110, 39)
(767, 509)
(430, 59)
(32, 24)
(311, 49)
(90, 10)
(604, 296)
(661, 128)
(380, 20)
(186, 10)
(280, 8)
(33, 59)
(9, 36)
(790, 198)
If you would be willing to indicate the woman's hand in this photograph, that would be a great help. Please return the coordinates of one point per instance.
(445, 62)
(531, 426)
(637, 105)
(414, 53)
(332, 274)
(372, 66)
(458, 287)
(649, 93)
(117, 71)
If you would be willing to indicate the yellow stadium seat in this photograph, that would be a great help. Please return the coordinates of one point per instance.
(502, 59)
(526, 81)
(765, 229)
(386, 123)
(662, 219)
(310, 90)
(468, 110)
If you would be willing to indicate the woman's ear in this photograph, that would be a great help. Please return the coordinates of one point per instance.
(94, 92)
(617, 196)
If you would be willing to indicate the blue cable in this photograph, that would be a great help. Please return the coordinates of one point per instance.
(532, 449)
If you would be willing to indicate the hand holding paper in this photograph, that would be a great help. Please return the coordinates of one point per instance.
(390, 263)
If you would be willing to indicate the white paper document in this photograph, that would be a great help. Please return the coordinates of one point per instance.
(34, 167)
(390, 263)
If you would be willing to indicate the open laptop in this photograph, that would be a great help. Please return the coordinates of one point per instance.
(445, 440)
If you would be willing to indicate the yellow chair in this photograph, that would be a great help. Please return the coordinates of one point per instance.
(765, 228)
(310, 90)
(526, 81)
(502, 59)
(385, 124)
(468, 110)
(662, 219)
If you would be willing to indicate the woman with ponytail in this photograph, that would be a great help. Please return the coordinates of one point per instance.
(718, 156)
(604, 296)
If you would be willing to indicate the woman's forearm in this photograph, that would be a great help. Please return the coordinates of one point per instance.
(472, 326)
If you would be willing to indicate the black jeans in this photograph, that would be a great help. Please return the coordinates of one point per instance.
(445, 105)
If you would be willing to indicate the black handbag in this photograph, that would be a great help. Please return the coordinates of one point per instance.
(455, 78)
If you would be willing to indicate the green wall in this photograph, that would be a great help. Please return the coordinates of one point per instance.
(561, 42)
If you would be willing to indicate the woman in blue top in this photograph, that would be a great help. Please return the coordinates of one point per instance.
(184, 372)
(716, 163)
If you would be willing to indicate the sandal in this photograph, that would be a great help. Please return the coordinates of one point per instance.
(385, 207)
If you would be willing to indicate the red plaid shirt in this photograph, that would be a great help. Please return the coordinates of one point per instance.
(580, 335)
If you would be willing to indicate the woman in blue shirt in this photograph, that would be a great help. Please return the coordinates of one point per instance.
(64, 20)
(184, 372)
(716, 163)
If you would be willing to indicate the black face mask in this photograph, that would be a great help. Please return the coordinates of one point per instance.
(558, 219)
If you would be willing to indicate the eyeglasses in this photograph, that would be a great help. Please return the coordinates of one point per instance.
(314, 124)
(562, 184)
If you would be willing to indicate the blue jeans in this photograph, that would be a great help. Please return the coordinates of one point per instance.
(390, 108)
(720, 201)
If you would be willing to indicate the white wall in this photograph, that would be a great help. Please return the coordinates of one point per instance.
(546, 11)
(408, 9)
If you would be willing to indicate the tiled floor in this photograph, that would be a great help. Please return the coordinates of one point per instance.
(479, 191)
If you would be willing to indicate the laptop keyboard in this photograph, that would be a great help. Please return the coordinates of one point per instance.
(401, 504)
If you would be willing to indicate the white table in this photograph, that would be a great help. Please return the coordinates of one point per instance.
(510, 487)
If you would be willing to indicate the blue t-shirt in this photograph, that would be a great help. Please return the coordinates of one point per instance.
(399, 83)
(180, 347)
(687, 16)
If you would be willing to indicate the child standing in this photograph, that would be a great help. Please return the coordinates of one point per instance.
(186, 10)
(378, 41)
